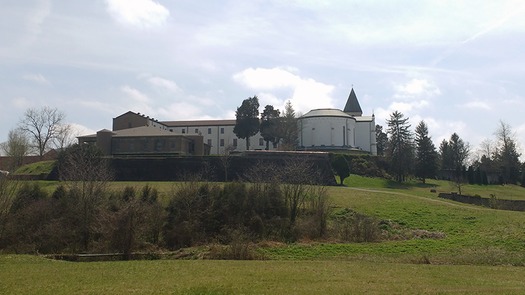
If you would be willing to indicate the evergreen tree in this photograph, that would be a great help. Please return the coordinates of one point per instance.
(458, 154)
(269, 124)
(506, 155)
(400, 146)
(471, 175)
(247, 119)
(288, 128)
(523, 177)
(445, 156)
(478, 177)
(426, 155)
(382, 140)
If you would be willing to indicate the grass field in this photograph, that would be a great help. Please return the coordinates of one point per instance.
(482, 252)
(35, 275)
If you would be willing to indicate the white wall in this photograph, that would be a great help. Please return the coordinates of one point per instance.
(217, 134)
(326, 131)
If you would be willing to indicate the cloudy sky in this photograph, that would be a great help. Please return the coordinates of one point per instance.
(458, 65)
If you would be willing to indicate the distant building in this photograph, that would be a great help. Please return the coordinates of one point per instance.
(333, 129)
(135, 134)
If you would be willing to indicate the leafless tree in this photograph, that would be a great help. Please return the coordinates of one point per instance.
(297, 177)
(65, 137)
(225, 160)
(8, 189)
(16, 147)
(85, 172)
(43, 126)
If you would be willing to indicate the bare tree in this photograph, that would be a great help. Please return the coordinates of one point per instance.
(16, 147)
(86, 173)
(297, 178)
(225, 160)
(43, 125)
(8, 189)
(65, 137)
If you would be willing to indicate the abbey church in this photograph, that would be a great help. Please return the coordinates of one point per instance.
(136, 134)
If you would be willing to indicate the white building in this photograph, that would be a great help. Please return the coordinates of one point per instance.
(319, 129)
(333, 129)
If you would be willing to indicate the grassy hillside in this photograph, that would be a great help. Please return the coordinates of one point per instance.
(42, 167)
(473, 235)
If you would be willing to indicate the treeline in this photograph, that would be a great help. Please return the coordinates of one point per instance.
(410, 154)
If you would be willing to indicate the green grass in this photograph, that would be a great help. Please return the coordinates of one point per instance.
(483, 252)
(42, 167)
(35, 275)
(474, 235)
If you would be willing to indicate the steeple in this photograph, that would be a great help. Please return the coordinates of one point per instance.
(352, 106)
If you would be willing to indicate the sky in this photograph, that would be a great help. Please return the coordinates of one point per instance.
(457, 65)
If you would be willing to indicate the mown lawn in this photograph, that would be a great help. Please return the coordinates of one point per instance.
(36, 275)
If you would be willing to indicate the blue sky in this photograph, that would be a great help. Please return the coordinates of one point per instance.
(458, 65)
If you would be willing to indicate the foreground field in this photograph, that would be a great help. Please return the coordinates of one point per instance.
(35, 275)
(482, 251)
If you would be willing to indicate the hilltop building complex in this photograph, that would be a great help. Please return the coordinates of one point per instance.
(135, 134)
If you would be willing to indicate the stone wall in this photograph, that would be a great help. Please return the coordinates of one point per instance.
(495, 203)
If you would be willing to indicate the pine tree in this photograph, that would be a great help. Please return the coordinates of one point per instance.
(288, 128)
(507, 155)
(426, 155)
(400, 146)
(382, 140)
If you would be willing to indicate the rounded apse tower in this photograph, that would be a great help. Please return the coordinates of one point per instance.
(325, 129)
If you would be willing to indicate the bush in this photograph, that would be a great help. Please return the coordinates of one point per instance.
(351, 226)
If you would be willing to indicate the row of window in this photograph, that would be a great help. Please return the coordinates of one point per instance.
(197, 130)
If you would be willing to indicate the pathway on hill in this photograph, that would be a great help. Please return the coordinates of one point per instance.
(445, 202)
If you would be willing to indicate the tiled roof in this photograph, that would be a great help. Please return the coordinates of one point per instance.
(199, 123)
(326, 113)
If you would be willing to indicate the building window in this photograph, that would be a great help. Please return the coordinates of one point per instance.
(183, 131)
(235, 142)
(209, 130)
(222, 130)
(196, 130)
(222, 142)
(261, 141)
(209, 142)
(129, 124)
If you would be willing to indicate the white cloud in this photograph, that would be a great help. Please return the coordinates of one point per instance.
(139, 13)
(79, 130)
(477, 105)
(37, 78)
(267, 79)
(183, 111)
(21, 103)
(134, 94)
(306, 93)
(164, 84)
(416, 88)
